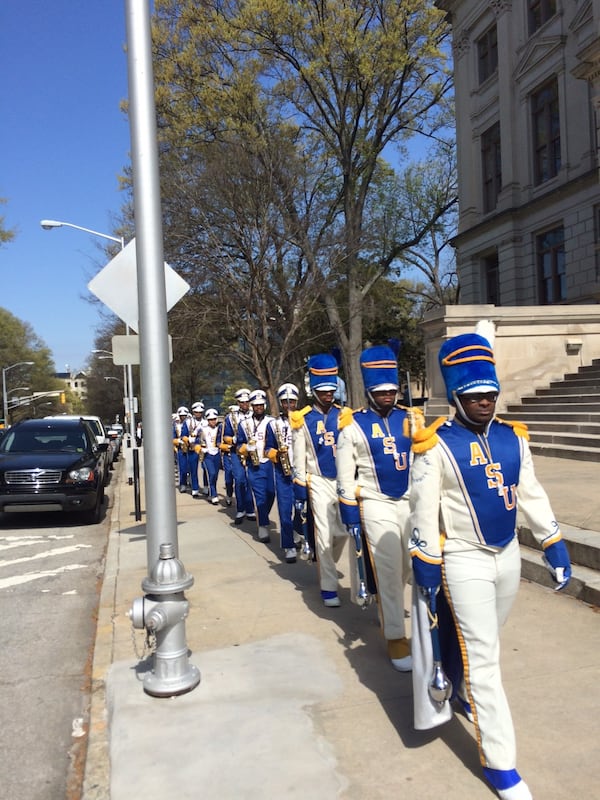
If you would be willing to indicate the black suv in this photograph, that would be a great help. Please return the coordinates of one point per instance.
(52, 465)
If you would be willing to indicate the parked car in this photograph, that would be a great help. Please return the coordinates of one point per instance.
(99, 430)
(52, 465)
(115, 434)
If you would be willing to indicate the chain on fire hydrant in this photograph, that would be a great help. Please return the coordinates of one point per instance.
(162, 612)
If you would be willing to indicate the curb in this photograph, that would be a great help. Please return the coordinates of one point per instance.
(96, 781)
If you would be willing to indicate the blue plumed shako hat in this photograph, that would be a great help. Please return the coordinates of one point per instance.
(322, 372)
(379, 368)
(468, 365)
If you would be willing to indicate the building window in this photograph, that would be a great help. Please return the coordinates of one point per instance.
(546, 131)
(487, 54)
(491, 278)
(491, 167)
(540, 12)
(550, 249)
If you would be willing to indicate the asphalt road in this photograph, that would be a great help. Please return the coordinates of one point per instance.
(50, 572)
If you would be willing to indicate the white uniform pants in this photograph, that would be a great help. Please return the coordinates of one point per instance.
(482, 585)
(385, 524)
(330, 534)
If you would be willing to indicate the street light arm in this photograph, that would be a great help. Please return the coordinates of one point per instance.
(19, 364)
(48, 224)
(4, 392)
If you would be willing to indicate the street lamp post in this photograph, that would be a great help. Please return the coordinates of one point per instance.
(4, 395)
(47, 225)
(109, 354)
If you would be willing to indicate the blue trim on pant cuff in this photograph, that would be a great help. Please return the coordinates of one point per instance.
(502, 778)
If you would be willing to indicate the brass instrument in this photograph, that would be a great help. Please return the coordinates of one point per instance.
(235, 424)
(199, 442)
(283, 451)
(185, 444)
(254, 457)
(199, 450)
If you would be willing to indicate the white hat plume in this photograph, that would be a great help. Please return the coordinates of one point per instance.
(487, 329)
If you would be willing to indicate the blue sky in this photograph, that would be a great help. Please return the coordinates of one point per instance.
(63, 143)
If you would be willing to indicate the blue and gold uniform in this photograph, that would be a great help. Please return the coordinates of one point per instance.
(181, 443)
(243, 495)
(373, 466)
(251, 439)
(469, 477)
(278, 447)
(314, 439)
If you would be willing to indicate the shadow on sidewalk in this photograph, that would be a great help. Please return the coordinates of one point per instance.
(358, 633)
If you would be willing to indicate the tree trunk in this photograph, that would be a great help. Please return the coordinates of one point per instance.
(354, 347)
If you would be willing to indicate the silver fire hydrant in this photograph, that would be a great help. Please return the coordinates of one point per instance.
(162, 612)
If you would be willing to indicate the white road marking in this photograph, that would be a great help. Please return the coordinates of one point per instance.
(59, 551)
(27, 541)
(17, 580)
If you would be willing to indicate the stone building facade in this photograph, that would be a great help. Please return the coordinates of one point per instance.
(527, 84)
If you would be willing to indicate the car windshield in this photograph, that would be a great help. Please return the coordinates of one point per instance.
(44, 441)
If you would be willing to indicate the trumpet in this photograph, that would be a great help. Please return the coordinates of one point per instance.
(283, 451)
(185, 444)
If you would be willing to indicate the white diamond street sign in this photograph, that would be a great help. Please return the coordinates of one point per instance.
(116, 285)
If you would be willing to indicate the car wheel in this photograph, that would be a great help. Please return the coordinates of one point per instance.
(94, 515)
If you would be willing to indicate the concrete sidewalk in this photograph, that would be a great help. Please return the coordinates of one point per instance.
(300, 701)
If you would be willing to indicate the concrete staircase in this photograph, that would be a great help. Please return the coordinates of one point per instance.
(564, 419)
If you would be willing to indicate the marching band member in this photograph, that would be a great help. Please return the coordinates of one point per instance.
(211, 454)
(181, 443)
(251, 445)
(278, 447)
(243, 496)
(196, 424)
(226, 458)
(373, 463)
(314, 437)
(467, 478)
